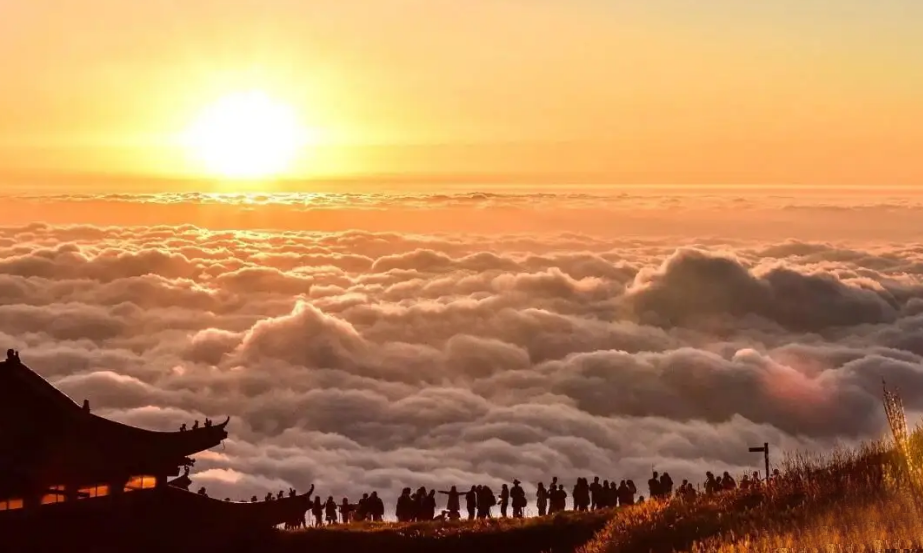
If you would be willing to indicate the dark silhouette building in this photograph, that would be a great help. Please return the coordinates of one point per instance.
(70, 476)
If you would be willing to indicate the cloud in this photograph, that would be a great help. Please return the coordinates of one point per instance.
(357, 360)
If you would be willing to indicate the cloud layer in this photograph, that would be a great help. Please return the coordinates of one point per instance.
(358, 360)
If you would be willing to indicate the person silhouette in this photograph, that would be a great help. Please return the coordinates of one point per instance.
(541, 499)
(518, 499)
(453, 505)
(471, 501)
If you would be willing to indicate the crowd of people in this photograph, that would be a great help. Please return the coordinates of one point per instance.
(480, 500)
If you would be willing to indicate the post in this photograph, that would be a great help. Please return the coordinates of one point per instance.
(765, 451)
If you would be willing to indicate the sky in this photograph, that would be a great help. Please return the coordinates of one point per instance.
(807, 92)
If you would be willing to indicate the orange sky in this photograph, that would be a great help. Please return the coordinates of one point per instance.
(806, 92)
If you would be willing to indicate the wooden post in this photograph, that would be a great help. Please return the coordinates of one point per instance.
(765, 451)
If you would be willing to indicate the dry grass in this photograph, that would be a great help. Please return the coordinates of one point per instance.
(884, 522)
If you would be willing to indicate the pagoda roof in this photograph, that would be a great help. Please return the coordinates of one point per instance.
(58, 435)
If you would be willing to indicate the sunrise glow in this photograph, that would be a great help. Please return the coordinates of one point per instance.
(246, 135)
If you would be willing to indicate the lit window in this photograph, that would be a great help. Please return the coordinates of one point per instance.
(10, 504)
(93, 491)
(140, 483)
(55, 495)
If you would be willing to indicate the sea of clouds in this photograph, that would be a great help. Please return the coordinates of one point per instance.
(358, 360)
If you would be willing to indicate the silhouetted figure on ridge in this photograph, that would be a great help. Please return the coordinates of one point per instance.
(541, 499)
(504, 500)
(485, 500)
(377, 507)
(603, 497)
(182, 428)
(86, 406)
(405, 506)
(195, 425)
(595, 494)
(745, 482)
(429, 505)
(727, 482)
(558, 499)
(518, 499)
(346, 510)
(653, 486)
(317, 509)
(666, 485)
(627, 496)
(419, 504)
(363, 511)
(330, 510)
(453, 505)
(12, 356)
(581, 495)
(471, 501)
(712, 485)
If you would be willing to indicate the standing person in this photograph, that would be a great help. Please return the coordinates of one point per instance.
(504, 500)
(404, 509)
(596, 494)
(377, 507)
(330, 510)
(485, 501)
(666, 485)
(453, 505)
(558, 499)
(317, 509)
(346, 510)
(541, 499)
(471, 501)
(653, 487)
(429, 506)
(518, 496)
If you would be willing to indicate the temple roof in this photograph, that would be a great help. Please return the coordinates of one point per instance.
(54, 426)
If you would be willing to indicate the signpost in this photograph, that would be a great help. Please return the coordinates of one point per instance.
(765, 451)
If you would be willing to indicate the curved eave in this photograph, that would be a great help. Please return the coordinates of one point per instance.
(181, 444)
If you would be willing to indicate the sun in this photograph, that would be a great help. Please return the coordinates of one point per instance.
(246, 135)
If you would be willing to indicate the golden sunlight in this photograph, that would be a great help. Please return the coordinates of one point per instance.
(246, 135)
